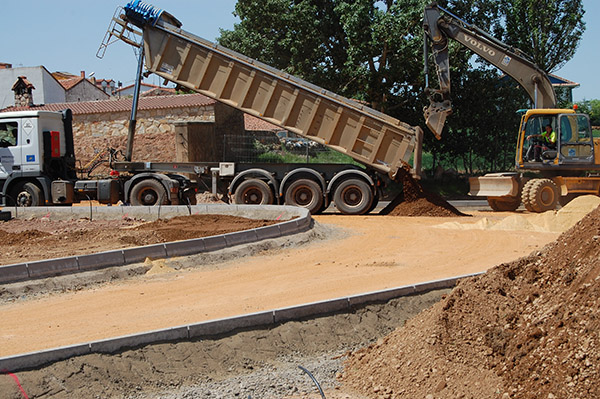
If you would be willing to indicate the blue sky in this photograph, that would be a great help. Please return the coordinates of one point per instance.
(64, 35)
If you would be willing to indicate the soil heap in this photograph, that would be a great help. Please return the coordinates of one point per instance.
(415, 201)
(525, 329)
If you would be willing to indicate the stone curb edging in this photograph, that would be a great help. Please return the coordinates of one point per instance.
(215, 327)
(74, 264)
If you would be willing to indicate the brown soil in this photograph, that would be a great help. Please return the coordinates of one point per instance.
(459, 348)
(35, 239)
(525, 329)
(415, 201)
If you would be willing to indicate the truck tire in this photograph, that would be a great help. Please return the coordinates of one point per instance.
(305, 193)
(353, 197)
(148, 192)
(253, 192)
(543, 195)
(525, 199)
(27, 194)
(504, 204)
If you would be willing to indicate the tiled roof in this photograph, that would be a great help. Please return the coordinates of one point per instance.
(123, 104)
(253, 123)
(69, 83)
(145, 103)
(141, 84)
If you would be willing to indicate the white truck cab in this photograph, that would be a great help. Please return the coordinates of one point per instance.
(33, 150)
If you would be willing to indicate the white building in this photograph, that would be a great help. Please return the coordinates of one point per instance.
(47, 89)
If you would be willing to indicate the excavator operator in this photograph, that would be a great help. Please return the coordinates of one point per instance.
(543, 142)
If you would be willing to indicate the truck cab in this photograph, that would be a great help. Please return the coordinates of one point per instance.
(34, 150)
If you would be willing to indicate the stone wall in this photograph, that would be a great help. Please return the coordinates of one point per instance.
(155, 132)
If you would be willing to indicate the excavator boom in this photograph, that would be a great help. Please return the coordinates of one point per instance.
(439, 28)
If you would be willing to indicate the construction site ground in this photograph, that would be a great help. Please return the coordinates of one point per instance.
(342, 255)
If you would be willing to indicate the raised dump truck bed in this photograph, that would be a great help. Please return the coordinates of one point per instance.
(368, 136)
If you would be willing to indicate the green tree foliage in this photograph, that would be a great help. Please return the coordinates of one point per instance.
(548, 30)
(592, 108)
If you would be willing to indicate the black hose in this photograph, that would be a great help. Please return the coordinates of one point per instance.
(314, 380)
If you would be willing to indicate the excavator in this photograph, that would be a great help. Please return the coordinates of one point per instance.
(546, 174)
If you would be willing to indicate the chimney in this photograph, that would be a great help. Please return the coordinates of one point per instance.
(82, 74)
(4, 65)
(23, 92)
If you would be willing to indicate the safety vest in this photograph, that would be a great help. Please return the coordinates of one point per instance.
(550, 138)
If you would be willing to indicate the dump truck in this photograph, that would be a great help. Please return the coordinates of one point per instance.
(382, 144)
(561, 171)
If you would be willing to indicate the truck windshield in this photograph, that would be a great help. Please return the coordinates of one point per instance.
(8, 134)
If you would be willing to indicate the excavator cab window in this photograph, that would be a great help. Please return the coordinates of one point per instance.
(534, 127)
(576, 140)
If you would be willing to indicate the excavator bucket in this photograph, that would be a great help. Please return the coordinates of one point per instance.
(435, 116)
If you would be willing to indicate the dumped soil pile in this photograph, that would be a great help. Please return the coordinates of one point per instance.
(36, 239)
(415, 201)
(526, 329)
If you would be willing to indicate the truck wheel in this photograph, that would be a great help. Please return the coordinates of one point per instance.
(353, 197)
(525, 198)
(148, 192)
(504, 204)
(253, 192)
(543, 195)
(28, 194)
(305, 193)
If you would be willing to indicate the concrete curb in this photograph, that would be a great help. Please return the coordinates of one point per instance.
(75, 264)
(214, 327)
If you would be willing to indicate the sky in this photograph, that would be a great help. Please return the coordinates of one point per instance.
(64, 35)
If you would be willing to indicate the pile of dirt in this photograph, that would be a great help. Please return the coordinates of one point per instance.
(549, 221)
(415, 201)
(526, 329)
(36, 239)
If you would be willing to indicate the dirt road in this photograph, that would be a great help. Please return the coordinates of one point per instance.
(373, 253)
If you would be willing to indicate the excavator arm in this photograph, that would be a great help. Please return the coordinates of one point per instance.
(512, 61)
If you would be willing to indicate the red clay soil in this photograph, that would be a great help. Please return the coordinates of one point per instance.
(415, 201)
(36, 239)
(525, 329)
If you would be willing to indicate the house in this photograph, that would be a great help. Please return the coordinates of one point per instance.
(564, 87)
(78, 88)
(47, 89)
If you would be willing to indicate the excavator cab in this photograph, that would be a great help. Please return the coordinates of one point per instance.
(574, 141)
(533, 145)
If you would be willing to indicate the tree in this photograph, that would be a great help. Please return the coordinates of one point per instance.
(592, 108)
(548, 30)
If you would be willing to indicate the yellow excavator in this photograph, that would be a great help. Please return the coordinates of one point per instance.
(562, 170)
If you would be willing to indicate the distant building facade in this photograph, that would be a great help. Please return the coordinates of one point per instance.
(47, 89)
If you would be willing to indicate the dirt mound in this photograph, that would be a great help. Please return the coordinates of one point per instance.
(526, 329)
(549, 221)
(415, 201)
(36, 239)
